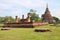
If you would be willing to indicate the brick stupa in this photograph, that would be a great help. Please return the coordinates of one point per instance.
(46, 17)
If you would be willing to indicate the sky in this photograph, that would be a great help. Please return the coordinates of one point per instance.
(20, 7)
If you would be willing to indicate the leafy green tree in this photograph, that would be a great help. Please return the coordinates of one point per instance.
(7, 19)
(33, 15)
(56, 19)
(1, 19)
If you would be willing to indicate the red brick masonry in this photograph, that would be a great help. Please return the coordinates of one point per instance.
(25, 24)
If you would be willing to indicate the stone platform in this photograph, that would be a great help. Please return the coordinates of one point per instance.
(25, 24)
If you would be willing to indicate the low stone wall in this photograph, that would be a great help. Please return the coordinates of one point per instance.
(39, 23)
(25, 24)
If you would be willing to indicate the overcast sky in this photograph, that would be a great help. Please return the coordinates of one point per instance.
(20, 7)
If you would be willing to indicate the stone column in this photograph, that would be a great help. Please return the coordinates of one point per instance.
(16, 19)
(28, 17)
(22, 16)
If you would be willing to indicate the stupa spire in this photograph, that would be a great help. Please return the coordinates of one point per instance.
(46, 17)
(47, 5)
(47, 9)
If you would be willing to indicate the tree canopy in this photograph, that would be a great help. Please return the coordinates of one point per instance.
(56, 19)
(33, 15)
(7, 19)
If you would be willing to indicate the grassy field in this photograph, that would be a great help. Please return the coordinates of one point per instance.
(29, 34)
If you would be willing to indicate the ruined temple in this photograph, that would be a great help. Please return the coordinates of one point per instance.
(26, 22)
(46, 17)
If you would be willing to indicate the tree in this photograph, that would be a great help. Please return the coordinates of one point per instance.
(56, 19)
(7, 19)
(1, 19)
(34, 16)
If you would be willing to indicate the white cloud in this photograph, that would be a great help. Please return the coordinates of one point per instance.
(25, 3)
(56, 12)
(15, 7)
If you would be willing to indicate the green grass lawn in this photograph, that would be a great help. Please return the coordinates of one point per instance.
(29, 34)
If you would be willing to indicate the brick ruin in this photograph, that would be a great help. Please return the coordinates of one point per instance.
(46, 18)
(25, 23)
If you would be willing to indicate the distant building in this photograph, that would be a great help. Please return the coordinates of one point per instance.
(46, 17)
